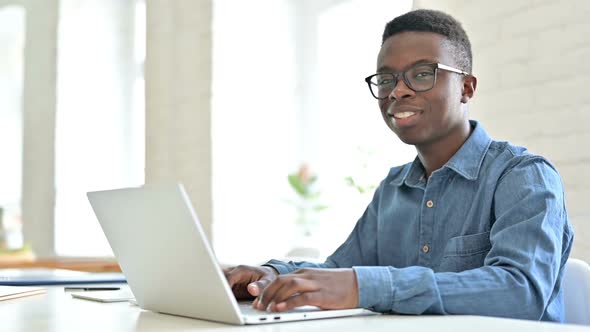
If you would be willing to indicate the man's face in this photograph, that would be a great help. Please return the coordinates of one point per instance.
(434, 114)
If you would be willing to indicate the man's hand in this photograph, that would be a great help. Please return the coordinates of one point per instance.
(247, 282)
(324, 288)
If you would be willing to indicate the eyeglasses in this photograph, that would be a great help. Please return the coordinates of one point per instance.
(420, 77)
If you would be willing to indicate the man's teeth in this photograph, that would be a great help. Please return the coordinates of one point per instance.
(403, 115)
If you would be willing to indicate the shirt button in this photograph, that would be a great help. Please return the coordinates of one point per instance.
(430, 204)
(425, 248)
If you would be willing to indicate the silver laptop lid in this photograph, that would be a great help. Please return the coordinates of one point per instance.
(163, 252)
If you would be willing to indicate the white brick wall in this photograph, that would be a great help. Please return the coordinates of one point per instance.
(531, 59)
(178, 99)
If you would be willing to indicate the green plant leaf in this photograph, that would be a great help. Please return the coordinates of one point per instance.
(319, 208)
(360, 188)
(297, 185)
(349, 180)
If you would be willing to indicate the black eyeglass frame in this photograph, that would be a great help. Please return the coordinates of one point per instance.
(396, 76)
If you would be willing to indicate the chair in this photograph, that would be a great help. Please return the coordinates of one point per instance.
(576, 288)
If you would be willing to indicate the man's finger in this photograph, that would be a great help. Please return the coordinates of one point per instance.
(293, 287)
(256, 287)
(282, 288)
(310, 298)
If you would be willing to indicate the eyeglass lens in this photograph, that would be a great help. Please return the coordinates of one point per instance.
(418, 78)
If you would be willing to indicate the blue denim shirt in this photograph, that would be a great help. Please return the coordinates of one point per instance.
(486, 234)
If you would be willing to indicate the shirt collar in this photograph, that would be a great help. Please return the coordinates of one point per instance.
(466, 162)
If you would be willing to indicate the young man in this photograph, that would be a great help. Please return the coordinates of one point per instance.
(471, 226)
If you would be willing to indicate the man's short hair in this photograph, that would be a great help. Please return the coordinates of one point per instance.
(425, 20)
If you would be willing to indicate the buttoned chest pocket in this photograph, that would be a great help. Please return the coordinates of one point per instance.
(465, 252)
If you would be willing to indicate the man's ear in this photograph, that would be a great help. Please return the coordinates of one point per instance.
(469, 86)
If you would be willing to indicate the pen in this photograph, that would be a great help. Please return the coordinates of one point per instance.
(84, 289)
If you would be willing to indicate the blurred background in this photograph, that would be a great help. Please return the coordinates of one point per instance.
(259, 108)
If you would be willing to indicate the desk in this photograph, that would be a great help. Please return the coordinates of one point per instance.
(58, 311)
(77, 264)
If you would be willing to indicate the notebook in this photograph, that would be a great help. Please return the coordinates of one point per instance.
(45, 276)
(159, 243)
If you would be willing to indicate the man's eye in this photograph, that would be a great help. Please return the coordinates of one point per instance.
(384, 81)
(423, 75)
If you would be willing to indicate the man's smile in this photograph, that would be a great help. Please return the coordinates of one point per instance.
(404, 116)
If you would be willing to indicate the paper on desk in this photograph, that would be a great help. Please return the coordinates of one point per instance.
(12, 292)
(105, 296)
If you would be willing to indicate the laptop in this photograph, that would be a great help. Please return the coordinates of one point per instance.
(169, 265)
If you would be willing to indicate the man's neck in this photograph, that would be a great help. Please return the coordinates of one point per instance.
(435, 155)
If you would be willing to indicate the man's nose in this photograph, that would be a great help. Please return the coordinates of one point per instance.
(401, 91)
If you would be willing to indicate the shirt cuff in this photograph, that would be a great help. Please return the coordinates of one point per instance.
(375, 286)
(281, 267)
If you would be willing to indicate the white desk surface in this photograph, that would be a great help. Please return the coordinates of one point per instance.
(58, 311)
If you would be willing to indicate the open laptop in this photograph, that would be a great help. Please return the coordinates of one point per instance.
(159, 243)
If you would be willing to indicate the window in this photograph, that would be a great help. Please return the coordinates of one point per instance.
(289, 89)
(349, 126)
(254, 125)
(12, 35)
(100, 114)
